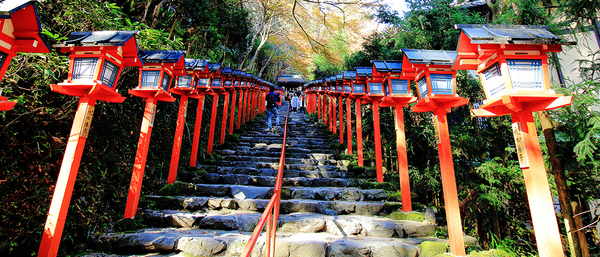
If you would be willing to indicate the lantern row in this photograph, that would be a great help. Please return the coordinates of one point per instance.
(512, 64)
(96, 61)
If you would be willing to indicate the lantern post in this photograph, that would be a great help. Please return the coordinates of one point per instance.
(154, 83)
(202, 73)
(358, 92)
(374, 93)
(348, 78)
(340, 92)
(240, 86)
(20, 33)
(436, 83)
(235, 80)
(331, 96)
(96, 61)
(512, 64)
(214, 90)
(226, 74)
(397, 94)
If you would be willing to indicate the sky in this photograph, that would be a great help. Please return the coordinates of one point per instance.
(399, 5)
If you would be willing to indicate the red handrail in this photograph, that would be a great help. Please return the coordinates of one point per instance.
(271, 213)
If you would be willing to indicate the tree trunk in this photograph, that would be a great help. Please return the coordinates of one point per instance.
(156, 13)
(558, 172)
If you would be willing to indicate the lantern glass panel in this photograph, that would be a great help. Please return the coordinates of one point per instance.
(109, 73)
(2, 57)
(441, 84)
(399, 86)
(236, 83)
(386, 88)
(347, 88)
(423, 87)
(203, 82)
(216, 83)
(84, 68)
(359, 89)
(493, 81)
(374, 88)
(526, 74)
(339, 88)
(184, 81)
(166, 82)
(150, 78)
(227, 83)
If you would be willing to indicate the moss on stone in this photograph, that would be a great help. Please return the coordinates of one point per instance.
(177, 188)
(431, 249)
(490, 253)
(412, 216)
(128, 224)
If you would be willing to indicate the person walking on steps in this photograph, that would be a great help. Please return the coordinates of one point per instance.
(302, 103)
(295, 101)
(272, 100)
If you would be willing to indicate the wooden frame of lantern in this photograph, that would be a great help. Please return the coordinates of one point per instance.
(156, 75)
(97, 59)
(185, 86)
(512, 64)
(436, 84)
(202, 84)
(216, 86)
(22, 36)
(397, 94)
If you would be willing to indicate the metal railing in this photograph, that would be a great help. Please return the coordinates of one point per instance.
(271, 213)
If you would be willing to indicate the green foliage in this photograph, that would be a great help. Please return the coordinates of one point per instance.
(431, 249)
(412, 216)
(177, 188)
(124, 225)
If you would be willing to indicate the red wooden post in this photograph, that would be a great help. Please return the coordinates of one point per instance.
(334, 112)
(341, 113)
(239, 109)
(224, 122)
(232, 112)
(359, 146)
(349, 124)
(455, 230)
(197, 129)
(213, 121)
(181, 115)
(377, 139)
(137, 176)
(66, 177)
(402, 159)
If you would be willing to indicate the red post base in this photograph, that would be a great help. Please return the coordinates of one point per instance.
(181, 115)
(455, 231)
(137, 176)
(63, 191)
(197, 127)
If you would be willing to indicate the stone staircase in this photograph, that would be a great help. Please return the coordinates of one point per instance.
(213, 211)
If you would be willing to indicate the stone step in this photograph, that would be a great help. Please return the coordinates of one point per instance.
(194, 203)
(263, 152)
(311, 174)
(288, 160)
(255, 192)
(275, 165)
(269, 181)
(294, 223)
(198, 242)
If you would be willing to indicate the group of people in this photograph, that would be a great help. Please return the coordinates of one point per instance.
(297, 101)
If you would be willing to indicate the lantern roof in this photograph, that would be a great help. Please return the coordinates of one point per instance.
(26, 26)
(214, 67)
(364, 71)
(195, 64)
(434, 57)
(226, 71)
(327, 79)
(349, 74)
(124, 39)
(236, 72)
(388, 66)
(339, 77)
(163, 56)
(510, 34)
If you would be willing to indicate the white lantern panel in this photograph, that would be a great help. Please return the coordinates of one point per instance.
(150, 78)
(399, 86)
(441, 84)
(109, 73)
(423, 87)
(216, 83)
(374, 88)
(184, 81)
(493, 81)
(84, 68)
(359, 89)
(203, 82)
(526, 74)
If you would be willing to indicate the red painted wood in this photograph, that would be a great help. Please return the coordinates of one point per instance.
(213, 123)
(181, 115)
(224, 122)
(137, 176)
(349, 124)
(402, 159)
(377, 139)
(239, 110)
(341, 114)
(232, 112)
(197, 128)
(359, 146)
